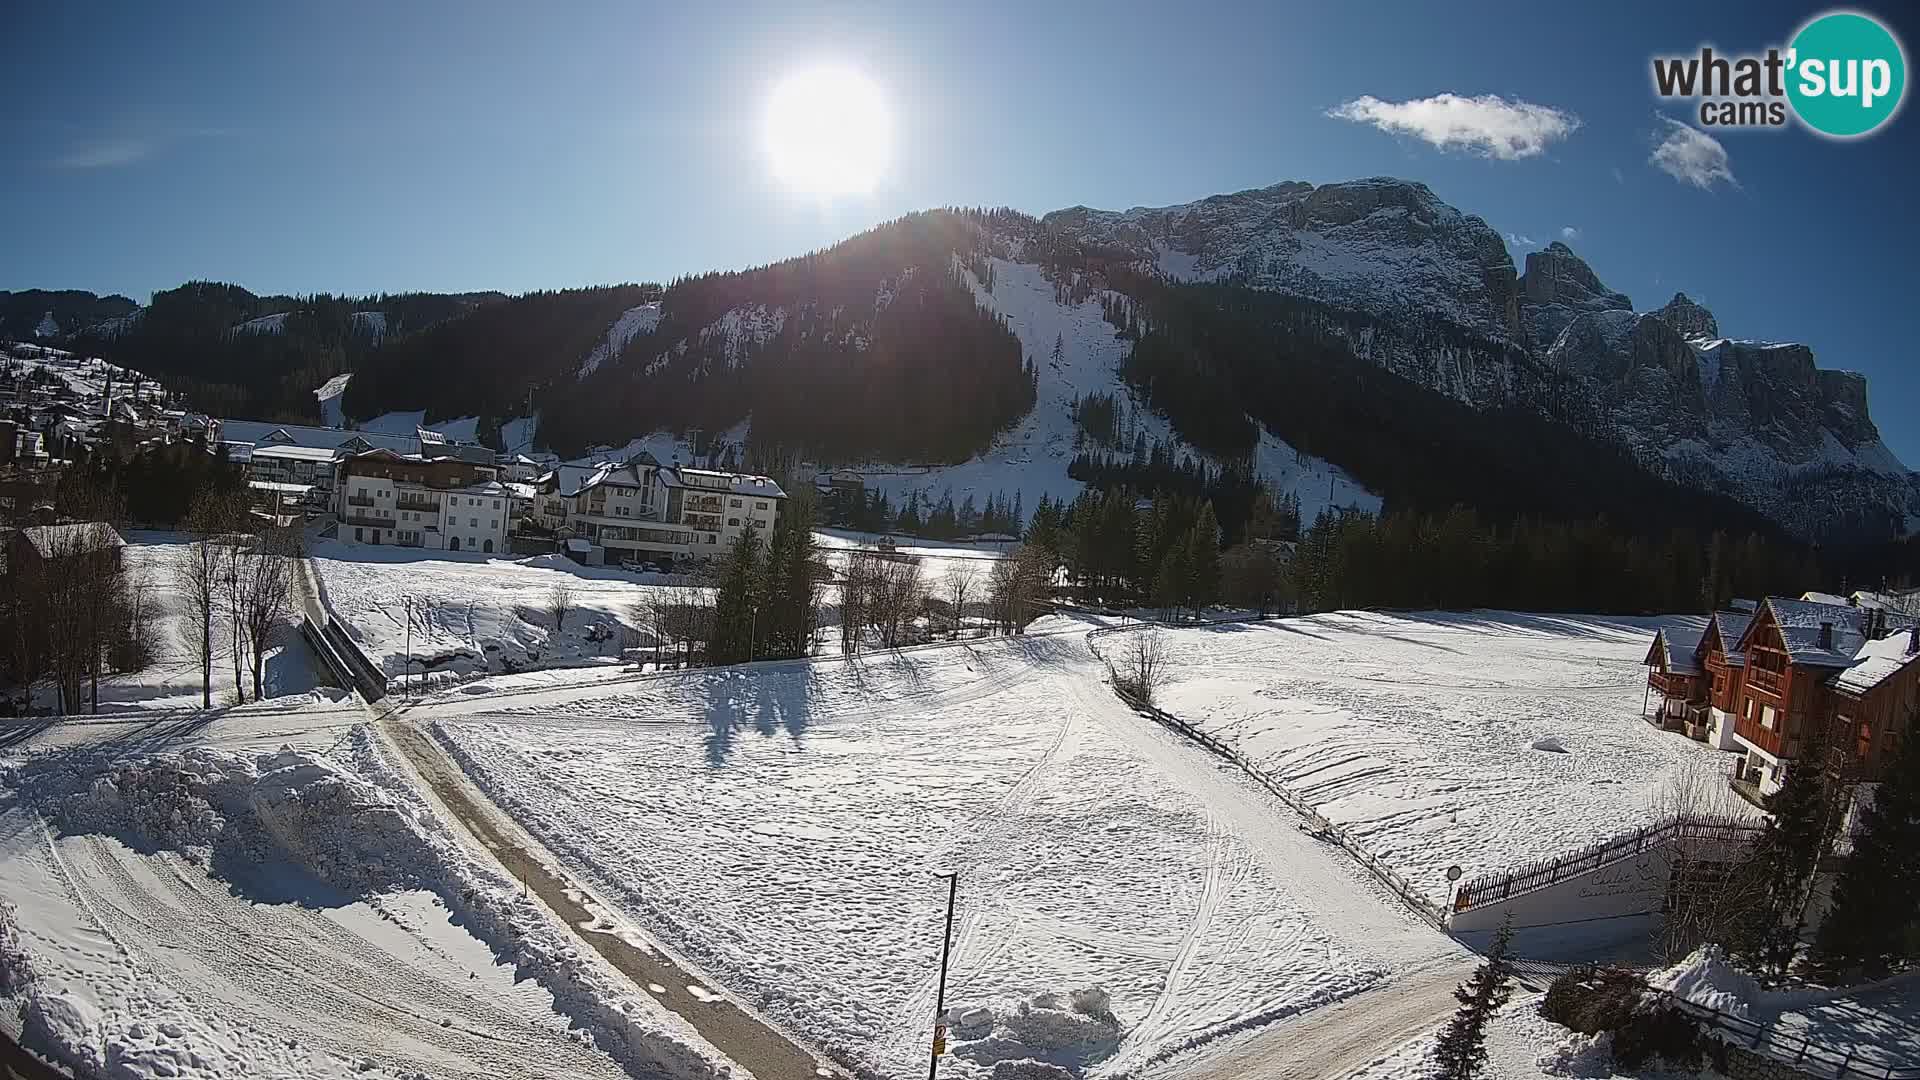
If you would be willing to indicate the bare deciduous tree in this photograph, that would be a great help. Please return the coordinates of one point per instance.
(896, 599)
(960, 581)
(856, 590)
(1715, 885)
(559, 604)
(262, 595)
(677, 614)
(197, 580)
(1018, 585)
(1141, 667)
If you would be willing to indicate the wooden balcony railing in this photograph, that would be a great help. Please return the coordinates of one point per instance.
(1767, 682)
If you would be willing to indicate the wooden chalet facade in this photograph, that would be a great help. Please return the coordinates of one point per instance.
(1798, 693)
(1788, 678)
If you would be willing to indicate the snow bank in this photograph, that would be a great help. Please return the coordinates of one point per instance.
(1037, 1038)
(363, 829)
(1708, 978)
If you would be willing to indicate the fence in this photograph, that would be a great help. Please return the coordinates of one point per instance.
(1426, 909)
(1540, 873)
(1796, 1051)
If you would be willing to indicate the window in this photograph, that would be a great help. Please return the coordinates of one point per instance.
(1749, 708)
(1766, 717)
(473, 523)
(487, 547)
(759, 523)
(761, 505)
(733, 502)
(356, 536)
(733, 523)
(496, 504)
(494, 524)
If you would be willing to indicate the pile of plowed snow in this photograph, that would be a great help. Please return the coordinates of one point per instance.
(1037, 1038)
(360, 827)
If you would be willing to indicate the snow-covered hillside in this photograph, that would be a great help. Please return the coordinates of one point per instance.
(1032, 458)
(265, 324)
(635, 320)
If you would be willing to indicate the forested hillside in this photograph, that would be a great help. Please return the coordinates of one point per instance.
(486, 363)
(234, 353)
(873, 349)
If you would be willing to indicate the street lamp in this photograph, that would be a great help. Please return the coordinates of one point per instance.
(940, 995)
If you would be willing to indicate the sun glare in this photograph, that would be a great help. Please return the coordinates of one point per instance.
(828, 132)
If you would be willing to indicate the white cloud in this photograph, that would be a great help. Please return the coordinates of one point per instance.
(1618, 176)
(1692, 156)
(1520, 240)
(1568, 232)
(104, 154)
(1489, 125)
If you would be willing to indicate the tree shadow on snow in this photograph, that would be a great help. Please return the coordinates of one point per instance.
(768, 702)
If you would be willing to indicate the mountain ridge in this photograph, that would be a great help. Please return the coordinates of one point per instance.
(1401, 279)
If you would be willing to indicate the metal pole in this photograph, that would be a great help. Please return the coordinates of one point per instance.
(940, 995)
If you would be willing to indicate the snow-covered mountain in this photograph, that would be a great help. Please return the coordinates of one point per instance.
(1755, 420)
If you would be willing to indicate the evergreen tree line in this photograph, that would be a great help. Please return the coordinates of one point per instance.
(1460, 559)
(1158, 469)
(877, 347)
(489, 362)
(767, 602)
(940, 519)
(186, 339)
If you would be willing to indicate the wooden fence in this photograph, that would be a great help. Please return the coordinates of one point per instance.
(1541, 873)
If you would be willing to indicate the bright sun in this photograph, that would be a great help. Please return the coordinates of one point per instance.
(827, 132)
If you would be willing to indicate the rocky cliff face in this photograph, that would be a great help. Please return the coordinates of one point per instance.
(1384, 246)
(1558, 287)
(1756, 420)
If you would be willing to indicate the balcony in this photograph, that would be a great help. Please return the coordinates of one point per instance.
(378, 521)
(404, 503)
(1767, 682)
(359, 500)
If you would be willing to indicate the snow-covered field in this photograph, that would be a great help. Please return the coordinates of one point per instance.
(172, 680)
(782, 828)
(209, 914)
(1484, 740)
(470, 613)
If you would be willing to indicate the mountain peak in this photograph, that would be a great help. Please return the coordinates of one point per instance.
(1689, 318)
(1558, 287)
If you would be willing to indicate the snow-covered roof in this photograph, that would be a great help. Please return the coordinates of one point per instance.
(1674, 647)
(295, 453)
(263, 433)
(761, 487)
(1877, 661)
(1731, 626)
(1823, 598)
(51, 540)
(1800, 623)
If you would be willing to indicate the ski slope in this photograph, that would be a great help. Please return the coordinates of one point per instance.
(1123, 900)
(1485, 739)
(1032, 458)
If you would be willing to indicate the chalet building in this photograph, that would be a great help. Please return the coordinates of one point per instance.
(1801, 687)
(38, 549)
(411, 500)
(642, 511)
(1676, 676)
(1725, 667)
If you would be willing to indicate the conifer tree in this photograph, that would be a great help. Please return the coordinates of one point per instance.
(1462, 1050)
(735, 607)
(1785, 858)
(1876, 903)
(1203, 559)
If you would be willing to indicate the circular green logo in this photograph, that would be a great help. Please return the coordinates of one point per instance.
(1846, 74)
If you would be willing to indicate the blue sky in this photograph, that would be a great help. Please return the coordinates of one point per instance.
(370, 147)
